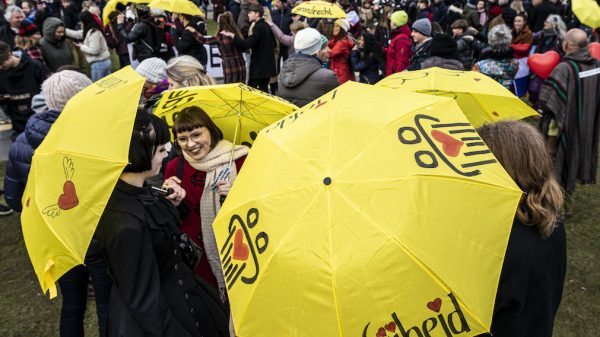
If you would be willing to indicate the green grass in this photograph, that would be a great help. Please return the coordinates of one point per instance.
(25, 311)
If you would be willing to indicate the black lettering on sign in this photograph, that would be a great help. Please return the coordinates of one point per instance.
(239, 253)
(215, 56)
(446, 143)
(176, 99)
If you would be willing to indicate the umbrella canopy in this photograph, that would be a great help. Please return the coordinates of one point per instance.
(366, 213)
(177, 6)
(482, 99)
(111, 6)
(587, 11)
(74, 171)
(238, 110)
(319, 9)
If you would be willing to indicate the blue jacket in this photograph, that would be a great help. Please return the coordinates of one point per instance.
(20, 155)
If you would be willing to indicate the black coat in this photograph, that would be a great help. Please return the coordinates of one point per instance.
(262, 43)
(188, 45)
(7, 35)
(154, 292)
(531, 283)
(420, 54)
(540, 14)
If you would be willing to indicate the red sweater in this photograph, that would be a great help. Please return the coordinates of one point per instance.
(193, 184)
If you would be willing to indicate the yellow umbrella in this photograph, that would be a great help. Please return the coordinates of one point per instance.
(482, 99)
(588, 12)
(74, 172)
(319, 9)
(366, 213)
(238, 110)
(177, 6)
(111, 6)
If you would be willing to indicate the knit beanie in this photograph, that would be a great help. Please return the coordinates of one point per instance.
(495, 11)
(422, 26)
(343, 23)
(27, 28)
(309, 41)
(153, 69)
(399, 18)
(443, 45)
(61, 86)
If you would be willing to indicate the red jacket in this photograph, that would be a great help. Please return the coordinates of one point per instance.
(399, 52)
(339, 59)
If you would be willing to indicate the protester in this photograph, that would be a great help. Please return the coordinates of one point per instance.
(339, 56)
(443, 53)
(508, 14)
(69, 14)
(367, 59)
(540, 13)
(464, 43)
(187, 43)
(282, 19)
(57, 90)
(186, 71)
(142, 35)
(94, 46)
(571, 111)
(154, 71)
(550, 38)
(399, 51)
(533, 272)
(421, 35)
(13, 16)
(54, 48)
(499, 62)
(383, 31)
(116, 41)
(154, 287)
(20, 79)
(302, 78)
(234, 66)
(521, 32)
(28, 41)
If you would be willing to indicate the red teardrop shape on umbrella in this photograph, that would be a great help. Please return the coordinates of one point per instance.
(240, 249)
(450, 145)
(68, 199)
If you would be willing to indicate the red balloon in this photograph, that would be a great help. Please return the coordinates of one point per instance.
(543, 64)
(595, 50)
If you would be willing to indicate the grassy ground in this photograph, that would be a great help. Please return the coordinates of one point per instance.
(25, 311)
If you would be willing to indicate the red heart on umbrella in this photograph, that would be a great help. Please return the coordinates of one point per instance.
(391, 327)
(595, 50)
(68, 199)
(435, 305)
(381, 332)
(450, 145)
(543, 64)
(240, 249)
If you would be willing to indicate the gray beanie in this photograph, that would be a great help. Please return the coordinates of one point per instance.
(61, 86)
(422, 26)
(153, 69)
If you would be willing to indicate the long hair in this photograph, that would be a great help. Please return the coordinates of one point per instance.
(187, 71)
(89, 23)
(372, 48)
(384, 21)
(226, 22)
(520, 148)
(558, 25)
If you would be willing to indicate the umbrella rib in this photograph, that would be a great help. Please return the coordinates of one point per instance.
(420, 263)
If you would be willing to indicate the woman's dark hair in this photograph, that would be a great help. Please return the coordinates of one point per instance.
(194, 117)
(225, 21)
(89, 23)
(372, 48)
(149, 132)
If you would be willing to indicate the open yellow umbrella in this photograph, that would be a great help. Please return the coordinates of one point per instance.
(319, 9)
(239, 110)
(482, 99)
(367, 213)
(74, 171)
(177, 6)
(587, 11)
(111, 6)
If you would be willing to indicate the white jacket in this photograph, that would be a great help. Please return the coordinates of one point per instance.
(94, 45)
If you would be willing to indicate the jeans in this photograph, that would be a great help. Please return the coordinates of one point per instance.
(100, 69)
(73, 287)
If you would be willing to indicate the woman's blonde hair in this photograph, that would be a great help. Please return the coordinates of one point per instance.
(521, 150)
(24, 42)
(297, 26)
(188, 72)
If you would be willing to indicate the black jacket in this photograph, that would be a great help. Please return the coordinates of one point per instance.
(540, 14)
(420, 54)
(154, 292)
(143, 35)
(8, 35)
(262, 43)
(188, 45)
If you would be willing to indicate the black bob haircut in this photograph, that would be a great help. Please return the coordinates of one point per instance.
(149, 132)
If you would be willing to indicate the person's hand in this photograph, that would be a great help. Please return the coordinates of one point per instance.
(228, 34)
(120, 19)
(223, 187)
(190, 29)
(77, 44)
(178, 192)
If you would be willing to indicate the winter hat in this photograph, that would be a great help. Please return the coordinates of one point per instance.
(27, 28)
(343, 23)
(309, 41)
(422, 26)
(495, 11)
(399, 18)
(153, 69)
(443, 45)
(61, 86)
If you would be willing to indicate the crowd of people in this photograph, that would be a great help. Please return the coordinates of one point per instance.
(50, 50)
